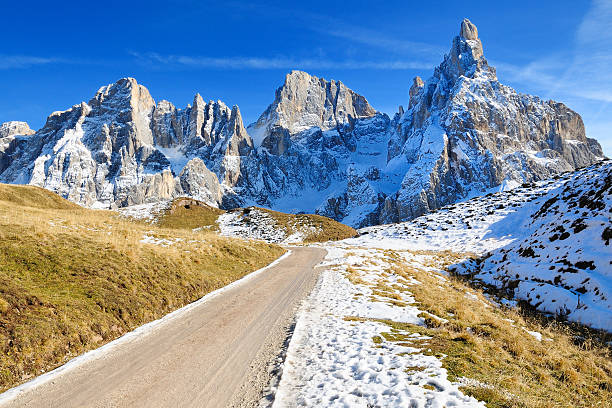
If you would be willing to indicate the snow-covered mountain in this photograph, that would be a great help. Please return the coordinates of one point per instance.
(465, 132)
(319, 147)
(548, 243)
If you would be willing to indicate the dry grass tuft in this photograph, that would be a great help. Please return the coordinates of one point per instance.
(492, 346)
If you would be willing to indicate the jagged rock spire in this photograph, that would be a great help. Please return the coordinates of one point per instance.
(417, 85)
(466, 56)
(468, 30)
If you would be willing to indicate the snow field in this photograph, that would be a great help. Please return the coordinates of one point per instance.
(338, 357)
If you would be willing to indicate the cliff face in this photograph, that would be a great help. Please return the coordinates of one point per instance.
(305, 102)
(10, 134)
(319, 147)
(464, 133)
(121, 149)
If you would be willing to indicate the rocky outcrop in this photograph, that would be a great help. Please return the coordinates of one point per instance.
(304, 103)
(319, 147)
(15, 128)
(197, 181)
(9, 131)
(465, 133)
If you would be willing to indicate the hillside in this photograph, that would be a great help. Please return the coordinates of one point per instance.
(398, 328)
(546, 243)
(72, 279)
(274, 226)
(247, 223)
(492, 302)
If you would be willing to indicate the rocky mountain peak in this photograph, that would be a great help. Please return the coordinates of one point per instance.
(468, 30)
(464, 131)
(417, 85)
(466, 57)
(125, 91)
(129, 107)
(206, 120)
(318, 147)
(15, 128)
(303, 103)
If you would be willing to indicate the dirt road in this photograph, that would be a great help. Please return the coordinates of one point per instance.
(215, 354)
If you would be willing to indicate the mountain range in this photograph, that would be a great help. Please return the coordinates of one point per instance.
(318, 148)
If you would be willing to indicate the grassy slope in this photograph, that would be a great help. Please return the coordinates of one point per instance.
(180, 217)
(72, 279)
(317, 227)
(491, 345)
(326, 228)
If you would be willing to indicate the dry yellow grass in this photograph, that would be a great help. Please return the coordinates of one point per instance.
(317, 227)
(491, 345)
(190, 217)
(72, 279)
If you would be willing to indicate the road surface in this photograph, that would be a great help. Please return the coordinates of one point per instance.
(216, 354)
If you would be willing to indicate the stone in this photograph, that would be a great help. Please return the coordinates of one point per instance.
(319, 147)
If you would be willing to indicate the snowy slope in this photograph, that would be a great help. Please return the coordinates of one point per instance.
(564, 265)
(332, 360)
(547, 243)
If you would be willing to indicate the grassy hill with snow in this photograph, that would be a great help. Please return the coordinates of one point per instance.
(546, 243)
(247, 223)
(72, 279)
(493, 302)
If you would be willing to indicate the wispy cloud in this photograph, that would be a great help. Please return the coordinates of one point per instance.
(595, 27)
(24, 61)
(183, 61)
(357, 34)
(374, 38)
(584, 70)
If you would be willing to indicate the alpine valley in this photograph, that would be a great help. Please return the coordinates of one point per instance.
(318, 148)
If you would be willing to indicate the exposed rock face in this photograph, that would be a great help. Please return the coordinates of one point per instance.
(305, 102)
(15, 128)
(319, 147)
(121, 149)
(465, 133)
(9, 131)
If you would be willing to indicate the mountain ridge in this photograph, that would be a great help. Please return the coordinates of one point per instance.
(319, 147)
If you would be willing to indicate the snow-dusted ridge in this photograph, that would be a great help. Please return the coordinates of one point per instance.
(318, 148)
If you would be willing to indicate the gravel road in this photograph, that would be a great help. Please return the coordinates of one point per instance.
(214, 354)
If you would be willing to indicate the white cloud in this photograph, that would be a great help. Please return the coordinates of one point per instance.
(24, 61)
(183, 61)
(376, 39)
(584, 70)
(595, 27)
(353, 32)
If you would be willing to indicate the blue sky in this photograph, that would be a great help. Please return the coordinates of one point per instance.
(56, 54)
